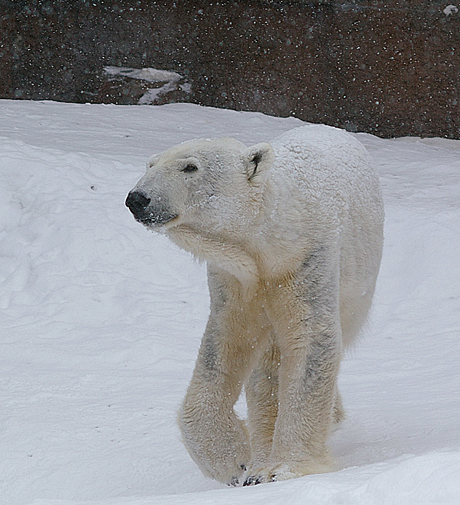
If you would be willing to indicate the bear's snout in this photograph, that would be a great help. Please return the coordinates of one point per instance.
(148, 213)
(137, 204)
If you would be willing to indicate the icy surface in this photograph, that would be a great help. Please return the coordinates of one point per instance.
(101, 321)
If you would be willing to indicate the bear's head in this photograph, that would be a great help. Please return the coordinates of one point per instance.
(205, 185)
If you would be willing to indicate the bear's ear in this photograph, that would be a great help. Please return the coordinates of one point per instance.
(153, 160)
(258, 159)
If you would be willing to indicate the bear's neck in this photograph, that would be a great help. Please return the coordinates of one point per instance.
(227, 256)
(265, 249)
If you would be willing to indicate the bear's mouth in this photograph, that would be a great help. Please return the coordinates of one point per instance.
(157, 219)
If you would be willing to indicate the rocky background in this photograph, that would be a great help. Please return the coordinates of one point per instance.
(391, 68)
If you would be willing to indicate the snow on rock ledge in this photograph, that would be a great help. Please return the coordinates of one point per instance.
(144, 74)
(147, 86)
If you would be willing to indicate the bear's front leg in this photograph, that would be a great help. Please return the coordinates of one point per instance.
(308, 336)
(214, 436)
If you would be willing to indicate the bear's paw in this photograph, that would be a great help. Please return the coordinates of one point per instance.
(284, 471)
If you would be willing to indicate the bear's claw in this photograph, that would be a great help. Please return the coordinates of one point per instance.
(234, 481)
(253, 480)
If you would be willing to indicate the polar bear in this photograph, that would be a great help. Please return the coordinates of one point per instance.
(292, 233)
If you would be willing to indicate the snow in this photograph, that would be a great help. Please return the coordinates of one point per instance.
(144, 74)
(102, 321)
(153, 75)
(450, 9)
(153, 94)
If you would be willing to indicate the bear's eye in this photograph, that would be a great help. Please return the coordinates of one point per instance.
(189, 168)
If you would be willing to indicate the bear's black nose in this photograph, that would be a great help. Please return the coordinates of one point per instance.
(137, 203)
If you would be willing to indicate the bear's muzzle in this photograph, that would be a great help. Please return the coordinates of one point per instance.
(143, 211)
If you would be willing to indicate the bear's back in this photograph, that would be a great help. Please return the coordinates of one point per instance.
(324, 191)
(319, 148)
(328, 166)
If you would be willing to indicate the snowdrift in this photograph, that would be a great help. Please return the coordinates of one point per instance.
(101, 321)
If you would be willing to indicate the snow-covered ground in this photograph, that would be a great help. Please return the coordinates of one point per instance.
(101, 321)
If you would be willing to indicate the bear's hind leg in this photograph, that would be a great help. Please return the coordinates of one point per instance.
(338, 414)
(262, 399)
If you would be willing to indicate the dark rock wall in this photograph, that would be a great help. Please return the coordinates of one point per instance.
(390, 68)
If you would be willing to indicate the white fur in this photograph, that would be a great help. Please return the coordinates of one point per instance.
(292, 233)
